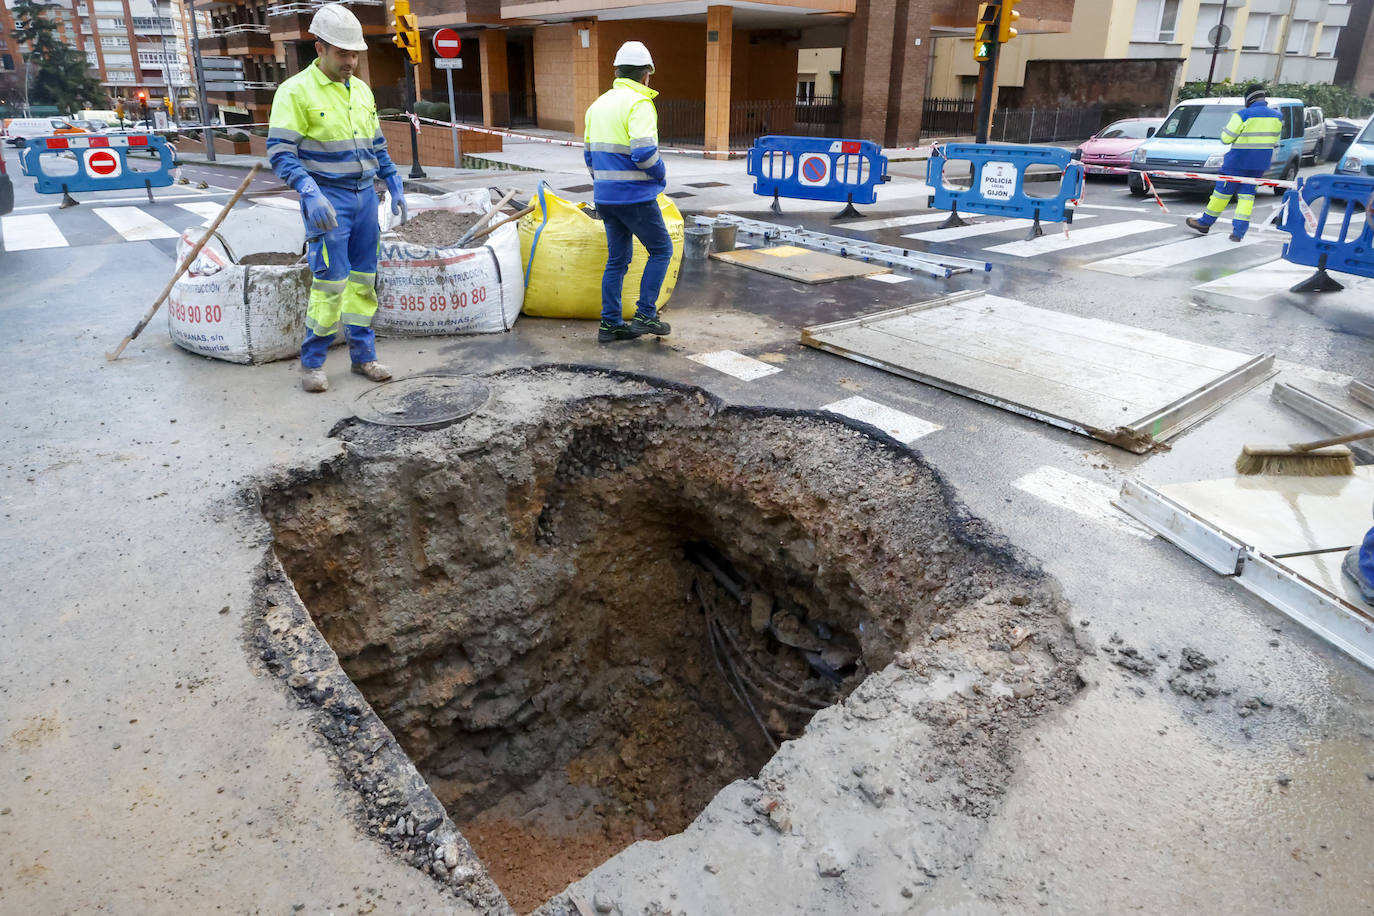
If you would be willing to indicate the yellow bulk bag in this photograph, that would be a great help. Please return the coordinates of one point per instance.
(564, 251)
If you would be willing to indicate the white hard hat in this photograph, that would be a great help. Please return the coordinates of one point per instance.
(633, 54)
(335, 24)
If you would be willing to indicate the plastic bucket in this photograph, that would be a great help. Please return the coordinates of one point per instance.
(723, 237)
(697, 242)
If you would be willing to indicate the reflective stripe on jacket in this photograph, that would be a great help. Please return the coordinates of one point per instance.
(1252, 134)
(622, 145)
(327, 129)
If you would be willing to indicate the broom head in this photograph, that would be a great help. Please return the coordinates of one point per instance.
(1335, 461)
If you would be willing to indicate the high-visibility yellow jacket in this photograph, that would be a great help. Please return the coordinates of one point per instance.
(328, 130)
(1252, 133)
(622, 145)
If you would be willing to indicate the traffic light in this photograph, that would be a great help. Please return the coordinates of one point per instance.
(407, 28)
(142, 97)
(119, 109)
(168, 103)
(985, 35)
(1005, 32)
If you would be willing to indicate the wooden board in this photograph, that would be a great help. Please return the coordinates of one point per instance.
(1123, 385)
(800, 264)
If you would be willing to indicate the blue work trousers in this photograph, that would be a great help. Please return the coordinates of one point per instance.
(343, 293)
(625, 223)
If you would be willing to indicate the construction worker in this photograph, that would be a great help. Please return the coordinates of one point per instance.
(1252, 134)
(325, 142)
(628, 175)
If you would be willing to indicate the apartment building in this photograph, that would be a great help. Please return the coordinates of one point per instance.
(1134, 54)
(726, 71)
(130, 46)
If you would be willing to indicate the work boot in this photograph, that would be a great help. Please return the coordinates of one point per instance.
(652, 325)
(314, 379)
(1351, 567)
(609, 333)
(372, 370)
(1235, 237)
(1195, 223)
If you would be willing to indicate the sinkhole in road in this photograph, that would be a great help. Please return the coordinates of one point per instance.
(581, 629)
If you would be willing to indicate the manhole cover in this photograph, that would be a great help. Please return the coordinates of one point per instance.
(422, 401)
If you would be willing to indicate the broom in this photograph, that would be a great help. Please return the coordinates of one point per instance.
(1323, 458)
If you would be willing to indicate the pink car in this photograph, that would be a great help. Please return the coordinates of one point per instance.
(1112, 146)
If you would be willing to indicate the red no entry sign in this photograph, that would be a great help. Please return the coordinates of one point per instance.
(102, 163)
(447, 43)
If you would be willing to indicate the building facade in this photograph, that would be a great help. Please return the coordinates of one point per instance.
(1137, 53)
(726, 71)
(130, 46)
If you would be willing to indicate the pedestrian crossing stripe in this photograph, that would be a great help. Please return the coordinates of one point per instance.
(1269, 279)
(1056, 241)
(30, 231)
(744, 368)
(973, 230)
(102, 225)
(903, 427)
(1158, 257)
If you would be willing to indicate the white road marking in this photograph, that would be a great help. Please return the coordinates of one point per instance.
(204, 209)
(892, 222)
(887, 278)
(901, 426)
(1148, 260)
(742, 367)
(1054, 239)
(135, 225)
(199, 195)
(1147, 207)
(983, 228)
(34, 230)
(1259, 282)
(1083, 497)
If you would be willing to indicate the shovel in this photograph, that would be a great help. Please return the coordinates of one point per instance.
(486, 217)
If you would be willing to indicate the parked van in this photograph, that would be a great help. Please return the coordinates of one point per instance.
(17, 130)
(1314, 134)
(1190, 141)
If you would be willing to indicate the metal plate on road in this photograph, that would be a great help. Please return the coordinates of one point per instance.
(1123, 385)
(422, 401)
(799, 264)
(448, 63)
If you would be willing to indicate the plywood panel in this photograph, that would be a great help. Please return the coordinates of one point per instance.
(799, 264)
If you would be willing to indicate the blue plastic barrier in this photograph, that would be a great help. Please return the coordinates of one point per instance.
(1344, 236)
(999, 179)
(814, 168)
(96, 162)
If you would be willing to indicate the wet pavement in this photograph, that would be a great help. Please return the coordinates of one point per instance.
(149, 767)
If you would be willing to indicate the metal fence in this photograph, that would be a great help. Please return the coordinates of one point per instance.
(682, 122)
(957, 118)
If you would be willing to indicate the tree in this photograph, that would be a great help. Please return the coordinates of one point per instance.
(56, 72)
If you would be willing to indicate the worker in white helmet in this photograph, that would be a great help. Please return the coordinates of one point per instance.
(628, 175)
(325, 142)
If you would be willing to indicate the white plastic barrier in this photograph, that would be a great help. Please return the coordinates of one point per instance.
(425, 291)
(236, 312)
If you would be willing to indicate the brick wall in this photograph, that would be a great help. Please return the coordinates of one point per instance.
(1126, 88)
(436, 147)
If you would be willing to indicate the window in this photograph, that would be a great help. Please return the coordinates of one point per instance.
(1299, 38)
(1257, 36)
(1168, 20)
(806, 90)
(1208, 16)
(1326, 41)
(6, 62)
(1292, 122)
(1198, 122)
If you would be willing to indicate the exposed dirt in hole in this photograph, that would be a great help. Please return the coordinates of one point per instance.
(271, 259)
(582, 616)
(438, 228)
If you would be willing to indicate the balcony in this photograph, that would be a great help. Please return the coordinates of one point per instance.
(154, 25)
(291, 21)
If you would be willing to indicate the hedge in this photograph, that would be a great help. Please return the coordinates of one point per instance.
(1334, 101)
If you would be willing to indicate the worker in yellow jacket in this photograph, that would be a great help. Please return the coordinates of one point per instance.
(325, 142)
(1252, 135)
(628, 175)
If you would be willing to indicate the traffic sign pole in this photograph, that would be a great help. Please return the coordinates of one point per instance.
(447, 44)
(453, 120)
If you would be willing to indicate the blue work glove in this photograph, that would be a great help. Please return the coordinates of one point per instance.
(319, 212)
(397, 190)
